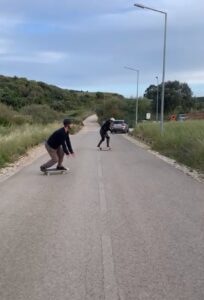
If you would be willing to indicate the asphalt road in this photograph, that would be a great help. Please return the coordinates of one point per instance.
(121, 225)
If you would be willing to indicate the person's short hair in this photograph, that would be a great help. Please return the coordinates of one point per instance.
(67, 122)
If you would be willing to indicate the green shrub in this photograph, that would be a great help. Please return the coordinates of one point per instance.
(42, 114)
(8, 116)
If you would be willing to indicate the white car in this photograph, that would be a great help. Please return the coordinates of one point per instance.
(119, 126)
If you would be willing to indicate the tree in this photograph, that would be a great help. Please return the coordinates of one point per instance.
(111, 108)
(144, 106)
(177, 98)
(99, 95)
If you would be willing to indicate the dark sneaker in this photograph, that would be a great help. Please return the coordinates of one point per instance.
(43, 169)
(61, 168)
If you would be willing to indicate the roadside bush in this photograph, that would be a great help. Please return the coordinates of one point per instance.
(8, 116)
(42, 114)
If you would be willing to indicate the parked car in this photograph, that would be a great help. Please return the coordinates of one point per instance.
(181, 117)
(119, 126)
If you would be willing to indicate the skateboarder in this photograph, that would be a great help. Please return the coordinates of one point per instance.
(57, 145)
(104, 133)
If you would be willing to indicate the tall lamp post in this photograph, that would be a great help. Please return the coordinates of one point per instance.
(136, 106)
(164, 62)
(157, 98)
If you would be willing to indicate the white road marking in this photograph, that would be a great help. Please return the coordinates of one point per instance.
(100, 174)
(110, 286)
(103, 206)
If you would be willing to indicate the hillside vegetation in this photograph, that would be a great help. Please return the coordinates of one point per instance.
(42, 102)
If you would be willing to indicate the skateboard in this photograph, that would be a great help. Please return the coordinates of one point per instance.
(55, 171)
(105, 149)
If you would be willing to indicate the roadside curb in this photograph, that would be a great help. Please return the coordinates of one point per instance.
(186, 170)
(136, 142)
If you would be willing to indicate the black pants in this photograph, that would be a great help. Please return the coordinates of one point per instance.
(104, 135)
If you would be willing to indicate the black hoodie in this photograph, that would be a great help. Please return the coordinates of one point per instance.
(58, 138)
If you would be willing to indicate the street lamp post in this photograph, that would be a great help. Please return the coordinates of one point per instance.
(136, 106)
(164, 62)
(157, 99)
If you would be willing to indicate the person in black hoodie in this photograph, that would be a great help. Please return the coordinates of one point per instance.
(57, 145)
(104, 133)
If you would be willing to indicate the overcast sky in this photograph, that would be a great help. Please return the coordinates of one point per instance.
(85, 44)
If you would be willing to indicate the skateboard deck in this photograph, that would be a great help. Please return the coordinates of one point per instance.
(55, 171)
(105, 149)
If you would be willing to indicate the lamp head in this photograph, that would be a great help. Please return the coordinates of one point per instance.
(139, 5)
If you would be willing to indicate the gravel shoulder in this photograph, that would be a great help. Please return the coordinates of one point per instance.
(23, 161)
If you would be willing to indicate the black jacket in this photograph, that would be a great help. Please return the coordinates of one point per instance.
(58, 138)
(106, 126)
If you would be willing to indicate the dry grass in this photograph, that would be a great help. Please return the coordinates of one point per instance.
(182, 141)
(15, 141)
